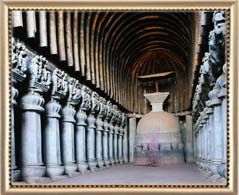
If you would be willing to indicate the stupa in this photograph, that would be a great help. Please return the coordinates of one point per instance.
(158, 140)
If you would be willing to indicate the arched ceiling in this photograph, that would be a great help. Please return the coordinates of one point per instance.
(132, 40)
(113, 48)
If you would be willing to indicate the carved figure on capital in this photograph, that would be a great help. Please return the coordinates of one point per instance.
(95, 103)
(123, 120)
(40, 77)
(216, 52)
(119, 117)
(114, 114)
(60, 84)
(103, 107)
(74, 91)
(219, 20)
(109, 113)
(207, 68)
(19, 57)
(86, 98)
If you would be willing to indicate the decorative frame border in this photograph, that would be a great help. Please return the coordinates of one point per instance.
(231, 6)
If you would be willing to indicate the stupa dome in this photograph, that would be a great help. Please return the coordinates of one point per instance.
(158, 122)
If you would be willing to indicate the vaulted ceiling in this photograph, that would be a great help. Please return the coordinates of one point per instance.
(108, 50)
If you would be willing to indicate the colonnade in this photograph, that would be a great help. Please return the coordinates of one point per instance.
(65, 127)
(210, 129)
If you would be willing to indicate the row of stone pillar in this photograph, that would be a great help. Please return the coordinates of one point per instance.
(77, 129)
(210, 101)
(211, 133)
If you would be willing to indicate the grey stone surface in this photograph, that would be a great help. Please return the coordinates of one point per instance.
(130, 174)
(132, 133)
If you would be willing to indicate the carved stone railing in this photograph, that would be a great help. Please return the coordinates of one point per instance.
(209, 104)
(66, 128)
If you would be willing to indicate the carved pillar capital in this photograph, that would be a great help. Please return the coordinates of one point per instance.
(68, 113)
(213, 95)
(32, 101)
(222, 82)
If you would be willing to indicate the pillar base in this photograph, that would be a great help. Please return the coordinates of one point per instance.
(112, 162)
(92, 165)
(204, 164)
(121, 161)
(213, 165)
(54, 170)
(216, 178)
(28, 171)
(222, 170)
(100, 163)
(16, 175)
(70, 168)
(116, 161)
(82, 167)
(38, 180)
(106, 163)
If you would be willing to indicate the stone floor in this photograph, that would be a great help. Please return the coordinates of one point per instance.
(130, 174)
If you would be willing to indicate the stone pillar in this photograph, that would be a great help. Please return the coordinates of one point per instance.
(189, 139)
(106, 137)
(32, 107)
(52, 127)
(211, 135)
(99, 131)
(116, 132)
(205, 141)
(91, 158)
(208, 137)
(14, 104)
(68, 127)
(132, 133)
(122, 147)
(105, 145)
(81, 130)
(200, 142)
(218, 135)
(111, 144)
(196, 153)
(119, 140)
(125, 145)
(19, 68)
(222, 82)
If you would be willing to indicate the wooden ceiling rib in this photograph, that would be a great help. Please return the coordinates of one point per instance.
(155, 75)
(110, 49)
